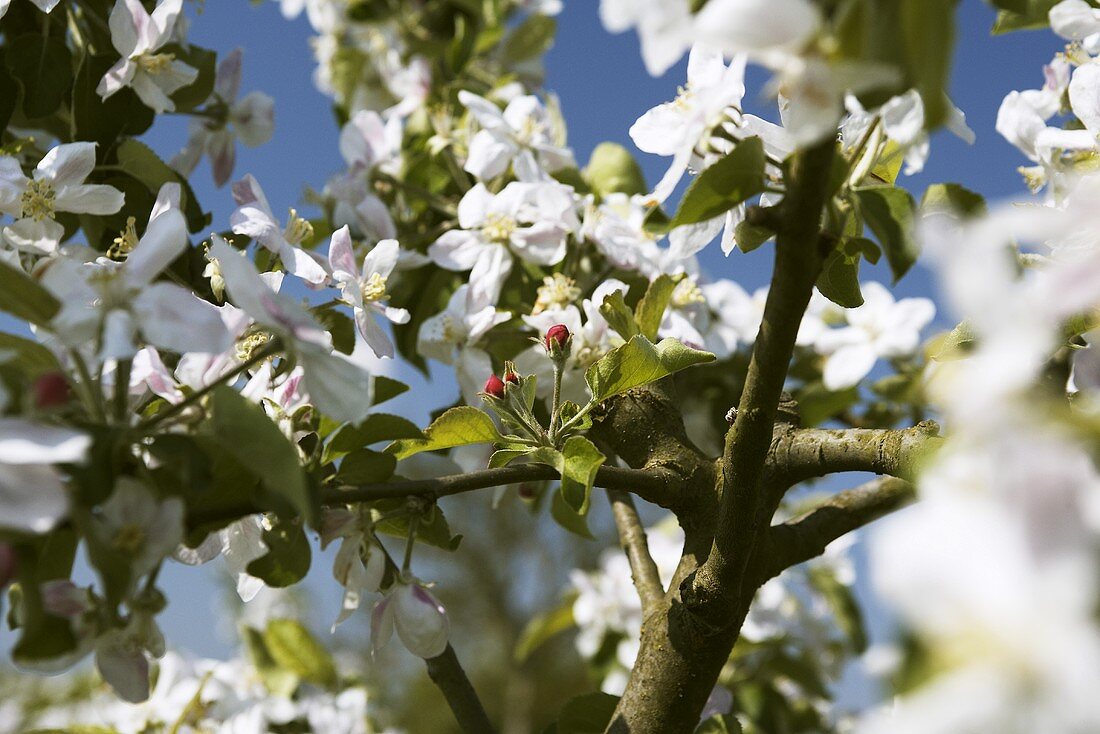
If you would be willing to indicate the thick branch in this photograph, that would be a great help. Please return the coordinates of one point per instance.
(447, 673)
(632, 538)
(800, 454)
(805, 537)
(798, 262)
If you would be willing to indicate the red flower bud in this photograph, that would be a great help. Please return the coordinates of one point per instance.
(494, 386)
(51, 390)
(558, 334)
(511, 377)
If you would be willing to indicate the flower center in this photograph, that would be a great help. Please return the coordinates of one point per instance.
(249, 343)
(686, 293)
(129, 539)
(38, 200)
(155, 63)
(528, 131)
(452, 332)
(374, 289)
(125, 243)
(298, 229)
(498, 228)
(685, 96)
(557, 291)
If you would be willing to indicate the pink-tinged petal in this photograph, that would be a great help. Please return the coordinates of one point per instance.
(227, 81)
(421, 621)
(374, 334)
(149, 371)
(188, 158)
(23, 442)
(118, 77)
(67, 164)
(474, 206)
(223, 156)
(253, 118)
(173, 318)
(381, 623)
(348, 606)
(168, 198)
(253, 217)
(362, 139)
(374, 219)
(123, 667)
(489, 155)
(177, 76)
(129, 25)
(32, 498)
(164, 240)
(381, 259)
(63, 598)
(164, 18)
(341, 254)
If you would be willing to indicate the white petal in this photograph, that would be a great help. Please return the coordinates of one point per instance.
(164, 240)
(847, 366)
(341, 255)
(173, 318)
(489, 155)
(89, 199)
(32, 498)
(421, 621)
(124, 669)
(24, 442)
(67, 164)
(339, 388)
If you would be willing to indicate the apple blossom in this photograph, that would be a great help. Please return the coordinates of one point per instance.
(44, 5)
(365, 290)
(494, 387)
(254, 218)
(135, 523)
(664, 28)
(420, 620)
(522, 135)
(57, 185)
(137, 35)
(251, 119)
(525, 220)
(33, 497)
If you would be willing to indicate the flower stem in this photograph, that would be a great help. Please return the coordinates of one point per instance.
(555, 405)
(270, 350)
(122, 389)
(406, 563)
(93, 400)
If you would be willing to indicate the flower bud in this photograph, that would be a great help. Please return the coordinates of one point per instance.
(494, 387)
(511, 377)
(51, 390)
(558, 335)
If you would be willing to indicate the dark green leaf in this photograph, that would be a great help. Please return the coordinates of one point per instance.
(928, 32)
(723, 185)
(587, 714)
(377, 427)
(24, 298)
(364, 466)
(104, 120)
(889, 213)
(288, 556)
(197, 92)
(43, 67)
(839, 280)
(31, 358)
(387, 388)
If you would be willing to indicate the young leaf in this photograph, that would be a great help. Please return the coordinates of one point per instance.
(723, 185)
(612, 169)
(928, 32)
(953, 199)
(387, 388)
(640, 362)
(888, 211)
(543, 627)
(651, 309)
(288, 556)
(580, 462)
(377, 427)
(618, 315)
(24, 298)
(293, 647)
(456, 427)
(246, 432)
(364, 466)
(277, 680)
(839, 280)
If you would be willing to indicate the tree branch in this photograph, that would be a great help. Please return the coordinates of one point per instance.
(806, 537)
(447, 673)
(643, 569)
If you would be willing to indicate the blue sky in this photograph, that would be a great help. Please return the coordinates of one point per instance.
(603, 88)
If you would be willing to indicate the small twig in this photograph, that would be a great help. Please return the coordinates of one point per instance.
(447, 673)
(643, 569)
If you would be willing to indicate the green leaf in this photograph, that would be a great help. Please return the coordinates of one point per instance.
(639, 362)
(293, 647)
(955, 344)
(953, 199)
(612, 169)
(543, 627)
(719, 724)
(337, 323)
(364, 466)
(456, 427)
(249, 435)
(749, 237)
(889, 212)
(618, 316)
(928, 32)
(138, 160)
(531, 38)
(723, 185)
(651, 309)
(277, 680)
(43, 67)
(288, 556)
(504, 457)
(577, 462)
(1022, 15)
(817, 404)
(839, 280)
(30, 358)
(432, 527)
(587, 714)
(387, 388)
(22, 297)
(377, 427)
(845, 608)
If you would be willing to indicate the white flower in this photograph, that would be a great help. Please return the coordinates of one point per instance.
(134, 523)
(367, 142)
(137, 35)
(1076, 20)
(33, 497)
(523, 135)
(525, 220)
(420, 620)
(664, 28)
(617, 226)
(452, 337)
(254, 218)
(119, 306)
(356, 546)
(365, 290)
(337, 387)
(239, 543)
(57, 186)
(880, 328)
(761, 28)
(251, 118)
